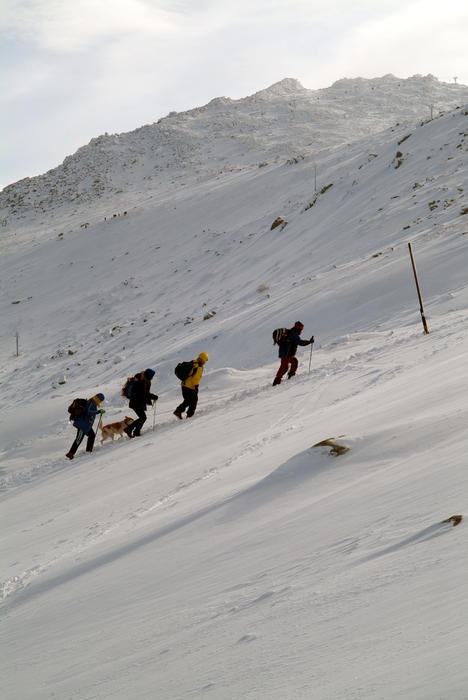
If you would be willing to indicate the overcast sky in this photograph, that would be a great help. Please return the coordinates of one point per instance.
(74, 69)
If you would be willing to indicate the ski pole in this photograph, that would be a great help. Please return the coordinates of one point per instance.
(154, 413)
(310, 358)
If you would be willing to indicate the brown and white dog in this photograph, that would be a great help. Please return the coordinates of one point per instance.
(112, 429)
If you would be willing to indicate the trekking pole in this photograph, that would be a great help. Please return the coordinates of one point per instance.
(310, 358)
(423, 317)
(154, 413)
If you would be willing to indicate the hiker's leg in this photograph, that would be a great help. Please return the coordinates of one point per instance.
(186, 399)
(138, 424)
(91, 439)
(283, 368)
(293, 367)
(193, 400)
(77, 442)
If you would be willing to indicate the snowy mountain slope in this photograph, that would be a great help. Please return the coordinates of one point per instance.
(283, 122)
(156, 272)
(226, 555)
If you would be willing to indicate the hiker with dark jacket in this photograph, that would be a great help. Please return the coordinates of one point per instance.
(190, 387)
(287, 352)
(84, 424)
(141, 398)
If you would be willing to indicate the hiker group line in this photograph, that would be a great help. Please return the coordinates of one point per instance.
(137, 390)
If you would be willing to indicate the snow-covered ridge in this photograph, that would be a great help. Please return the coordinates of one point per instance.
(282, 122)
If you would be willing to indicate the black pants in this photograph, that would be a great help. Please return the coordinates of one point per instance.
(190, 401)
(79, 439)
(137, 425)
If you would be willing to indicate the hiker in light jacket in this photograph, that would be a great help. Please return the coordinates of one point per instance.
(84, 424)
(287, 352)
(190, 387)
(139, 400)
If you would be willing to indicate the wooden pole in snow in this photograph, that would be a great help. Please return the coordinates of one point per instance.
(423, 317)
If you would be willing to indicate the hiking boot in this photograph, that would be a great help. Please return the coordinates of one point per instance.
(276, 381)
(128, 431)
(291, 374)
(70, 455)
(178, 413)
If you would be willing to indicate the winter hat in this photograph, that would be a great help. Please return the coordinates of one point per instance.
(298, 324)
(149, 374)
(204, 356)
(99, 398)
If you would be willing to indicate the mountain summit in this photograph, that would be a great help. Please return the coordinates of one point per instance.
(282, 122)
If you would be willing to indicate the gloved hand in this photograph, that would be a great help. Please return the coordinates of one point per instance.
(154, 397)
(311, 340)
(101, 411)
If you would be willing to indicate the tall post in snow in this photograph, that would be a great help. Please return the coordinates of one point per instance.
(423, 316)
(17, 343)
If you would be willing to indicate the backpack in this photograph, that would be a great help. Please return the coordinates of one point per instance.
(184, 370)
(76, 407)
(280, 336)
(129, 388)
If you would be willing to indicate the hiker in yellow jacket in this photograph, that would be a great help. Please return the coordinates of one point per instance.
(190, 387)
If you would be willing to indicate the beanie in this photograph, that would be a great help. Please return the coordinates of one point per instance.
(204, 356)
(298, 324)
(149, 374)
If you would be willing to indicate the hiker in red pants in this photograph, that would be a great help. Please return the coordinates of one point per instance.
(287, 352)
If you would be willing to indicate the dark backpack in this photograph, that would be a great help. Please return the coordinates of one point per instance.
(129, 388)
(76, 407)
(184, 370)
(280, 336)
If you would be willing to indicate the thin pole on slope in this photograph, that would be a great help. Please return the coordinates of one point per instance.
(423, 316)
(154, 414)
(310, 358)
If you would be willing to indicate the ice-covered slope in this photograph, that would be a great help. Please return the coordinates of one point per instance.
(226, 555)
